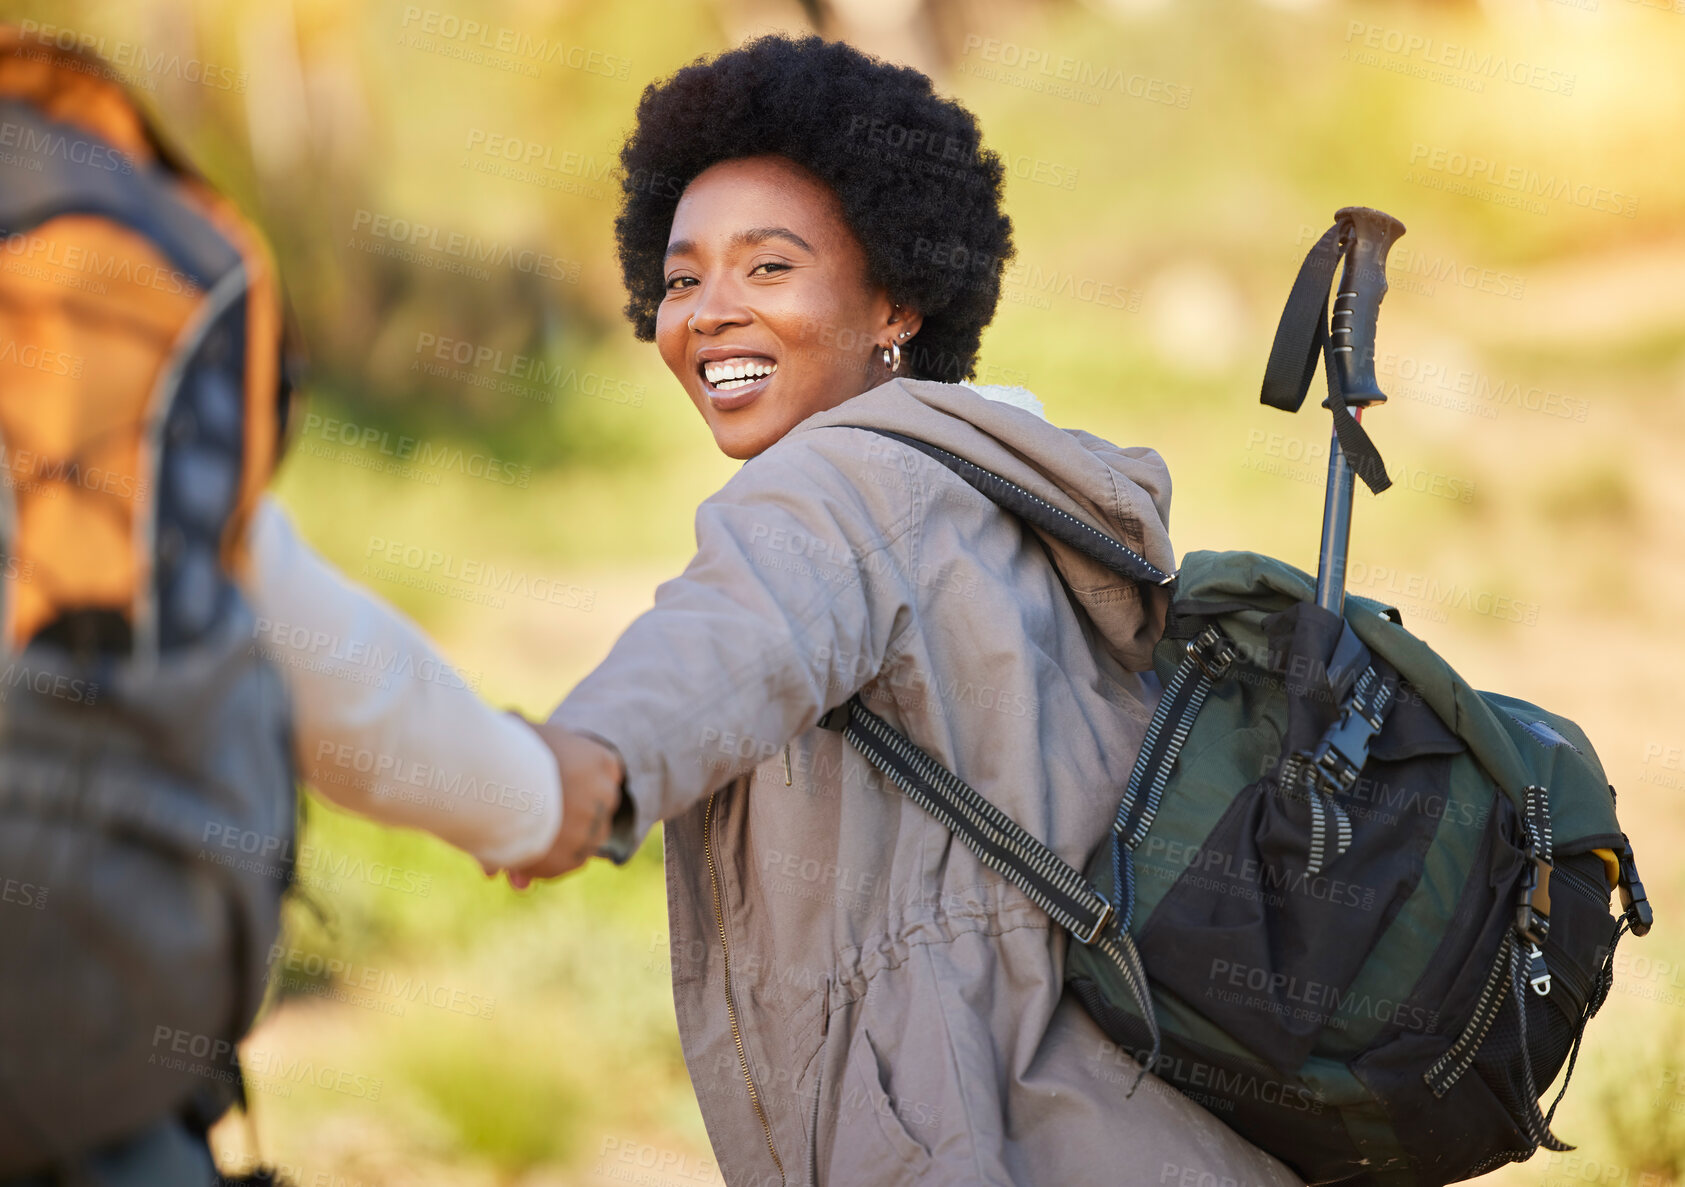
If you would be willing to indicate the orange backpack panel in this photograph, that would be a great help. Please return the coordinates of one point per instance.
(119, 270)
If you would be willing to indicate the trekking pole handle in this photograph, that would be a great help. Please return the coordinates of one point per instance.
(1366, 236)
(1369, 235)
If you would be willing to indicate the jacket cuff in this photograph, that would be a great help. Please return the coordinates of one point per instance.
(623, 837)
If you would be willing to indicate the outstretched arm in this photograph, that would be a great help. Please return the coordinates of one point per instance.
(384, 725)
(799, 586)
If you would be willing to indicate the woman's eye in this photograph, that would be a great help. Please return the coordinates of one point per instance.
(769, 264)
(678, 282)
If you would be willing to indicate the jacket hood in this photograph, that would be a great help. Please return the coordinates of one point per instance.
(1124, 492)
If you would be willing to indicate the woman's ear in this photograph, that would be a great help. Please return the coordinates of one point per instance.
(903, 324)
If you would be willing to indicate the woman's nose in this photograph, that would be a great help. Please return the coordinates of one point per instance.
(719, 306)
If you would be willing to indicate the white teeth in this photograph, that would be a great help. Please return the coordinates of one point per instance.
(728, 373)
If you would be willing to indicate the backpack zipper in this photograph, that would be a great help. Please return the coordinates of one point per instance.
(730, 1004)
(1581, 883)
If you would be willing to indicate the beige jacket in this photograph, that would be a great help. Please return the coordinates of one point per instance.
(860, 1000)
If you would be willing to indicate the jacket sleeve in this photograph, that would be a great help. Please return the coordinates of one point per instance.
(381, 723)
(801, 582)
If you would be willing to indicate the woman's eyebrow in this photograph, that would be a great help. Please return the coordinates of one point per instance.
(745, 238)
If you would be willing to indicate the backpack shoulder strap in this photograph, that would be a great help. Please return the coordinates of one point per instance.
(997, 840)
(1000, 843)
(1038, 512)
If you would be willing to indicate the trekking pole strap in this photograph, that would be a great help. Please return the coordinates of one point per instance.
(1300, 337)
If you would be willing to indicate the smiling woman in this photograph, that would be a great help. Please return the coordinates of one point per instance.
(765, 325)
(860, 998)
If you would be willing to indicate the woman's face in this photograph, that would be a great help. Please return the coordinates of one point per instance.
(768, 316)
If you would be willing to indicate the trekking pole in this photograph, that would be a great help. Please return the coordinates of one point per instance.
(1366, 237)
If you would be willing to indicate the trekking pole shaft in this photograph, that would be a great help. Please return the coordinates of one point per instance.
(1336, 528)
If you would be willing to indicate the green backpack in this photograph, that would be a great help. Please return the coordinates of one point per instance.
(1368, 947)
(1356, 909)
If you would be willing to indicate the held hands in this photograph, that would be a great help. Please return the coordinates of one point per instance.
(591, 776)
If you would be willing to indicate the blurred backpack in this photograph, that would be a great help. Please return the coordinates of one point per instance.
(146, 782)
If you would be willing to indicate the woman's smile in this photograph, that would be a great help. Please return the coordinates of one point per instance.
(733, 377)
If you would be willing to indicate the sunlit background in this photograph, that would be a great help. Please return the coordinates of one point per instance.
(437, 180)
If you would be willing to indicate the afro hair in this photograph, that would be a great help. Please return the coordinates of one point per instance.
(919, 190)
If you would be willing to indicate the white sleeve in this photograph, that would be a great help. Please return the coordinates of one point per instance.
(381, 723)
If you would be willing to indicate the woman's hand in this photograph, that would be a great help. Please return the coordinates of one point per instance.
(591, 776)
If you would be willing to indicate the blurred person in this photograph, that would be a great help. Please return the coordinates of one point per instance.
(175, 655)
(813, 239)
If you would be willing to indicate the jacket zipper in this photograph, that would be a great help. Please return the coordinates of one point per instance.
(730, 1005)
(818, 1087)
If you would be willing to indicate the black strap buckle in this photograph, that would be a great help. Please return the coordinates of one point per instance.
(1104, 918)
(1634, 905)
(1340, 757)
(1213, 651)
(1332, 769)
(1532, 901)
